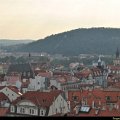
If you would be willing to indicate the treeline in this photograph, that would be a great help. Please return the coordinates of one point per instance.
(79, 41)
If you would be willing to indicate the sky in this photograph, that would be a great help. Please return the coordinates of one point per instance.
(36, 19)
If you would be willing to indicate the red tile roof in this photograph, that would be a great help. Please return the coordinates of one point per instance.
(101, 113)
(43, 99)
(3, 111)
(112, 67)
(1, 87)
(94, 95)
(14, 89)
(3, 96)
(45, 74)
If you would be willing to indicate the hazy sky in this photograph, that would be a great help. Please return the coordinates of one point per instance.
(34, 19)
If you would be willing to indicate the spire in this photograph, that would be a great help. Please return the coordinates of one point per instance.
(29, 59)
(99, 61)
(29, 55)
(117, 53)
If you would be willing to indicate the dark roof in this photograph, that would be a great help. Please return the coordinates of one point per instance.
(20, 68)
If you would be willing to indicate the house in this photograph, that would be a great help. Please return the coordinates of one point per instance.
(43, 73)
(76, 86)
(98, 102)
(36, 103)
(55, 84)
(4, 100)
(23, 85)
(11, 92)
(38, 83)
(100, 76)
(3, 82)
(3, 68)
(12, 78)
(114, 70)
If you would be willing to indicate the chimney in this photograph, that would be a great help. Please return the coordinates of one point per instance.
(117, 106)
(93, 104)
(96, 112)
(77, 109)
(110, 107)
(69, 105)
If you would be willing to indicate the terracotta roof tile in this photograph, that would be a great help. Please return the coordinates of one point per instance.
(3, 96)
(43, 99)
(3, 111)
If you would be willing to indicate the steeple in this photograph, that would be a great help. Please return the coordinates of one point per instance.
(99, 61)
(29, 58)
(117, 53)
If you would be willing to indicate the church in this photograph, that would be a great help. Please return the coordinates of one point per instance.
(116, 61)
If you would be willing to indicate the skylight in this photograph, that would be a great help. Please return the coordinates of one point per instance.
(84, 109)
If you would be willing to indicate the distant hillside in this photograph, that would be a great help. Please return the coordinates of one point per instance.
(5, 42)
(79, 41)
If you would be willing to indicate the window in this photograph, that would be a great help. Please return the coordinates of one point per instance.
(56, 110)
(22, 110)
(12, 108)
(75, 97)
(41, 112)
(60, 109)
(31, 111)
(108, 98)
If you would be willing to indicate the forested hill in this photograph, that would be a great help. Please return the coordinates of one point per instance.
(78, 41)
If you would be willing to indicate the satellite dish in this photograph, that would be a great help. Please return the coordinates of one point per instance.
(18, 84)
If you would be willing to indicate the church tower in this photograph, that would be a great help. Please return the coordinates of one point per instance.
(116, 61)
(99, 61)
(117, 53)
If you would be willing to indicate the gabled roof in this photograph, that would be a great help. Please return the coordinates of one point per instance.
(13, 88)
(43, 99)
(3, 96)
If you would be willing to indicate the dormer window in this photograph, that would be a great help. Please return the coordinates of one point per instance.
(75, 98)
(22, 110)
(31, 111)
(12, 109)
(42, 112)
(108, 98)
(43, 100)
